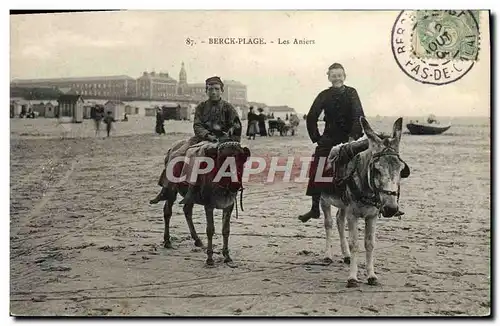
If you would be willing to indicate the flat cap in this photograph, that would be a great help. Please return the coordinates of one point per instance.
(335, 66)
(214, 80)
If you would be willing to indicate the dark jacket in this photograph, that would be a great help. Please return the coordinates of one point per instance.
(342, 109)
(208, 114)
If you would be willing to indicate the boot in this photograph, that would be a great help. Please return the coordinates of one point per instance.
(161, 196)
(189, 197)
(314, 212)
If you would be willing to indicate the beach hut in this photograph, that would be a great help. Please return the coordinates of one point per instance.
(170, 111)
(15, 108)
(185, 112)
(71, 108)
(50, 110)
(39, 109)
(150, 112)
(117, 109)
(129, 109)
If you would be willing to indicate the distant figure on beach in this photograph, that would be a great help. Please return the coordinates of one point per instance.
(125, 117)
(281, 125)
(98, 116)
(160, 121)
(253, 120)
(108, 120)
(262, 122)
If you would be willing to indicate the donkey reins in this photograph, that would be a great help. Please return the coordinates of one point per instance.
(372, 200)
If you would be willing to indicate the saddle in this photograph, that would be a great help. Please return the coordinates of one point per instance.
(339, 158)
(212, 150)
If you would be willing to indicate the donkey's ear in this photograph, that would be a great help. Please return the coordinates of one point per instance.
(368, 131)
(397, 130)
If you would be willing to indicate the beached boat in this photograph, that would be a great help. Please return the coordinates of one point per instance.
(426, 129)
(432, 127)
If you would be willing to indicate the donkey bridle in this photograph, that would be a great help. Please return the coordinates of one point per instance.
(372, 200)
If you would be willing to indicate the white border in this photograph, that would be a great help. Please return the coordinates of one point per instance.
(185, 4)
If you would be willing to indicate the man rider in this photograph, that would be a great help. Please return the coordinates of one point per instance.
(213, 118)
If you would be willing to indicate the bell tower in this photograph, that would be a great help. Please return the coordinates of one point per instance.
(182, 88)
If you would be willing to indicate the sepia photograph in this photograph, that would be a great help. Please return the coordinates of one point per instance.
(250, 163)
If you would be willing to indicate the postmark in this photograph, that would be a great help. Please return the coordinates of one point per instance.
(436, 47)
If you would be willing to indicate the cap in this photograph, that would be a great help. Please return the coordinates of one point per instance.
(214, 80)
(336, 66)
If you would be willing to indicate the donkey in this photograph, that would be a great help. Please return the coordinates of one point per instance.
(210, 193)
(372, 187)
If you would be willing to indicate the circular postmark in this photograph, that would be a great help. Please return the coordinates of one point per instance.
(436, 47)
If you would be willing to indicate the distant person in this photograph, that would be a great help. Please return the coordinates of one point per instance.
(286, 117)
(248, 119)
(160, 122)
(125, 117)
(108, 120)
(23, 111)
(98, 116)
(262, 122)
(281, 125)
(253, 120)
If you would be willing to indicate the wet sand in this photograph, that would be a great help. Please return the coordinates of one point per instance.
(85, 241)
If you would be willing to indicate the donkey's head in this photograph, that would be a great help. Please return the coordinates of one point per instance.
(385, 168)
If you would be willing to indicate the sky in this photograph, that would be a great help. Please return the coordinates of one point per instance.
(128, 43)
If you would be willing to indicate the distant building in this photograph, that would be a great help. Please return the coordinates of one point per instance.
(150, 86)
(156, 86)
(235, 92)
(100, 86)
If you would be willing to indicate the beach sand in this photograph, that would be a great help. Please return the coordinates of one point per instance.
(85, 241)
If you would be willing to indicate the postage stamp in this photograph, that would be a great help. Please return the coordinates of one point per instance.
(436, 47)
(446, 34)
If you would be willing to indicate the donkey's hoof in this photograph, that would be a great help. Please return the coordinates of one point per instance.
(327, 260)
(167, 245)
(372, 281)
(352, 283)
(347, 260)
(229, 262)
(209, 262)
(198, 243)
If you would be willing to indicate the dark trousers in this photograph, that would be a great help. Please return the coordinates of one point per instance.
(315, 188)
